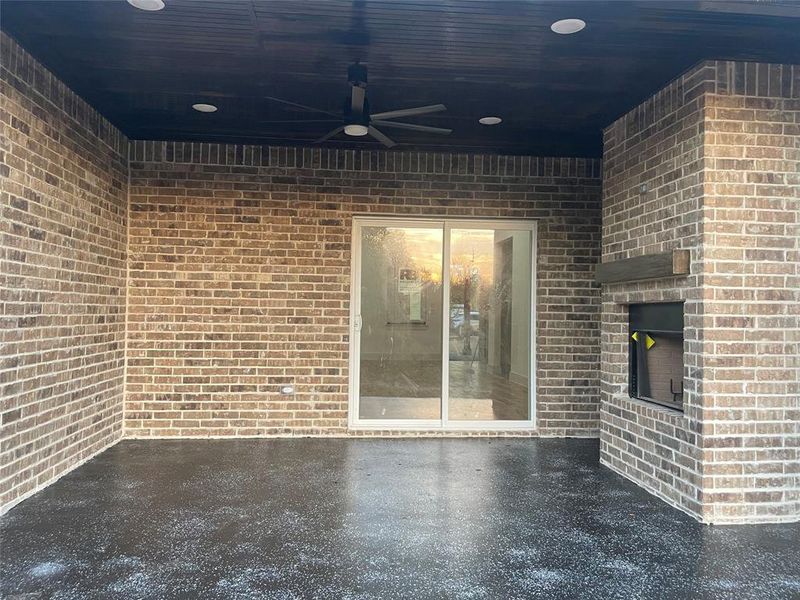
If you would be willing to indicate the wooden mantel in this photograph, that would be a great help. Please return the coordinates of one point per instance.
(647, 266)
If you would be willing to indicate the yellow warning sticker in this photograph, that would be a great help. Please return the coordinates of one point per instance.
(648, 341)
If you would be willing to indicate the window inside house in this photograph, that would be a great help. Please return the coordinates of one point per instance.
(656, 353)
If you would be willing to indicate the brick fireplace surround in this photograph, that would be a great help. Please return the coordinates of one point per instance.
(711, 163)
(156, 289)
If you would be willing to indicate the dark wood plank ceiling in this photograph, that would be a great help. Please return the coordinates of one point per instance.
(143, 70)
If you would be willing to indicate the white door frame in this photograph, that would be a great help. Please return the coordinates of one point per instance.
(447, 225)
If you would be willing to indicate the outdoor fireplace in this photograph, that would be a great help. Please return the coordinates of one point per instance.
(656, 353)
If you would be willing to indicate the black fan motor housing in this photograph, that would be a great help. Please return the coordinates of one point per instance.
(355, 118)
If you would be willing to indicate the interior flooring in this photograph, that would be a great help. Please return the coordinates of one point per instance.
(476, 393)
(375, 518)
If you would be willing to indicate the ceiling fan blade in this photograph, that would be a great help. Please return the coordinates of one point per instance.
(303, 106)
(413, 127)
(330, 134)
(409, 112)
(381, 137)
(357, 100)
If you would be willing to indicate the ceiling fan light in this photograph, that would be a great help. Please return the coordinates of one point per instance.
(148, 5)
(568, 26)
(355, 129)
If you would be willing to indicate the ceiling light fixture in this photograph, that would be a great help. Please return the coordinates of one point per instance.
(355, 129)
(490, 120)
(148, 5)
(204, 108)
(568, 26)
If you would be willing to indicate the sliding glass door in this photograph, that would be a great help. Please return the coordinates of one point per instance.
(442, 324)
(489, 364)
(400, 358)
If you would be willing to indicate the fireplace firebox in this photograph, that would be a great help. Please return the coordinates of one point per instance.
(656, 353)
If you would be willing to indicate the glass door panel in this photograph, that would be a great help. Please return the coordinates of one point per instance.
(489, 330)
(400, 358)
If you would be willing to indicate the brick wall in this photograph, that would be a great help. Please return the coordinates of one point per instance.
(751, 388)
(240, 272)
(62, 277)
(717, 152)
(652, 202)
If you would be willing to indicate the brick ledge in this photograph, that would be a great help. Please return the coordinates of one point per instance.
(649, 409)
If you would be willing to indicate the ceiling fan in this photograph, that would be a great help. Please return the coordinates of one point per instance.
(356, 118)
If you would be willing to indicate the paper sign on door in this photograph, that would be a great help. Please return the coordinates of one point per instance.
(408, 283)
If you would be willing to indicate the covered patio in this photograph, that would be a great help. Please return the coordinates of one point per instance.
(400, 299)
(357, 518)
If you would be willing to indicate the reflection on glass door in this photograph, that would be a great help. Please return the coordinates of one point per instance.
(442, 324)
(490, 312)
(400, 363)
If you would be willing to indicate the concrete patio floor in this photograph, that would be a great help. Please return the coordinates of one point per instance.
(349, 518)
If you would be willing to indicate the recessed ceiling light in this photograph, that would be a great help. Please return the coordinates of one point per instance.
(149, 5)
(355, 129)
(567, 26)
(206, 108)
(490, 120)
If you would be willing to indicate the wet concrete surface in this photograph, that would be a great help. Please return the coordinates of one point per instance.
(339, 518)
